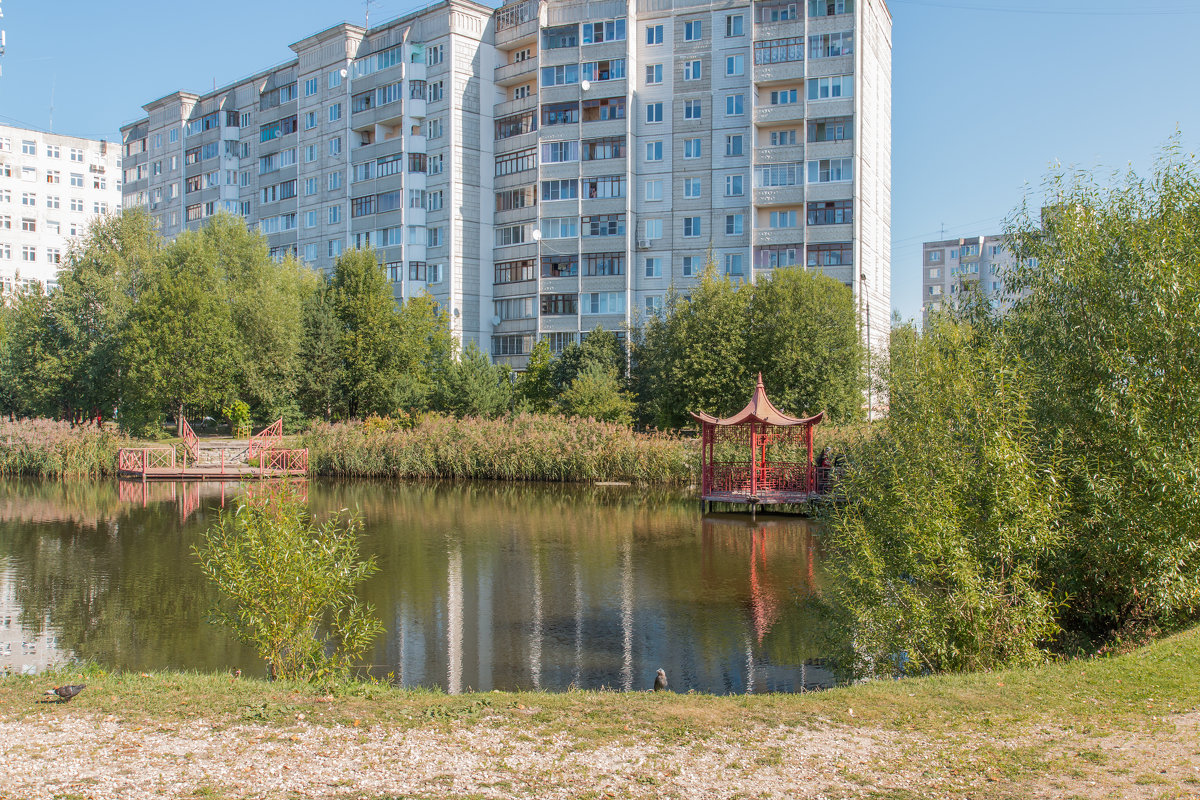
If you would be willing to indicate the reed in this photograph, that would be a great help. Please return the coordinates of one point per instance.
(47, 448)
(521, 447)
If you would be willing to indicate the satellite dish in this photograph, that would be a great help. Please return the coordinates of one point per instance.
(495, 321)
(343, 72)
(537, 236)
(585, 85)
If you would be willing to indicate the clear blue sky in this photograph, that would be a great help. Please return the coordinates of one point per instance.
(987, 94)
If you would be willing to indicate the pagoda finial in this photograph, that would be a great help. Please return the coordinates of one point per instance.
(760, 383)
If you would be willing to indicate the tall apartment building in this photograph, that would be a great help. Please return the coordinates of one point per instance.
(554, 165)
(952, 267)
(51, 186)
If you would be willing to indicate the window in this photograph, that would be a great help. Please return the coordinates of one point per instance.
(693, 30)
(735, 25)
(934, 257)
(554, 190)
(692, 148)
(335, 146)
(310, 120)
(335, 215)
(654, 267)
(691, 266)
(561, 75)
(735, 185)
(562, 36)
(654, 34)
(77, 203)
(433, 201)
(515, 271)
(736, 64)
(604, 225)
(784, 255)
(830, 129)
(654, 151)
(654, 190)
(335, 79)
(335, 181)
(310, 187)
(28, 147)
(560, 227)
(334, 248)
(691, 188)
(599, 149)
(654, 112)
(29, 225)
(515, 125)
(604, 303)
(691, 227)
(779, 51)
(28, 252)
(734, 224)
(512, 234)
(434, 237)
(782, 138)
(735, 105)
(76, 154)
(310, 217)
(830, 170)
(828, 45)
(54, 176)
(692, 109)
(600, 264)
(654, 228)
(611, 31)
(362, 102)
(791, 174)
(829, 88)
(654, 74)
(433, 128)
(515, 308)
(733, 264)
(839, 212)
(560, 113)
(28, 199)
(606, 108)
(436, 91)
(783, 219)
(607, 70)
(310, 87)
(784, 97)
(560, 265)
(830, 255)
(604, 187)
(310, 153)
(559, 152)
(733, 145)
(557, 305)
(828, 8)
(691, 70)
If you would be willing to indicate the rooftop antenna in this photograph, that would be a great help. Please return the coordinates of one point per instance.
(53, 86)
(943, 236)
(367, 15)
(2, 38)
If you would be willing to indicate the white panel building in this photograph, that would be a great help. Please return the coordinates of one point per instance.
(554, 165)
(51, 186)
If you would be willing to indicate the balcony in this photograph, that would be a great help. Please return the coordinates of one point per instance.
(765, 154)
(516, 106)
(778, 30)
(779, 195)
(782, 71)
(517, 23)
(768, 115)
(776, 236)
(512, 74)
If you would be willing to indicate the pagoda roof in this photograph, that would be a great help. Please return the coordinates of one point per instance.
(760, 409)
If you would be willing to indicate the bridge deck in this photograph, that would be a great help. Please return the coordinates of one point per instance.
(209, 473)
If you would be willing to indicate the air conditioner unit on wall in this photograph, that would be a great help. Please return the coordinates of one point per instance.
(643, 244)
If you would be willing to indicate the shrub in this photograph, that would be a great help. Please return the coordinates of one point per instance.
(49, 449)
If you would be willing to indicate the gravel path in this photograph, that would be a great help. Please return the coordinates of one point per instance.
(88, 757)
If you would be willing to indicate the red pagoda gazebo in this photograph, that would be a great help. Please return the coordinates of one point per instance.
(758, 456)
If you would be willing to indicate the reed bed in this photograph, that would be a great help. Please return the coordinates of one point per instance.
(521, 447)
(45, 448)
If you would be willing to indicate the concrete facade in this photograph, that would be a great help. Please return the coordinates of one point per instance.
(952, 267)
(51, 187)
(547, 167)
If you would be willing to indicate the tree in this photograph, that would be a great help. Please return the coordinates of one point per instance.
(33, 359)
(180, 341)
(369, 334)
(288, 587)
(475, 387)
(425, 348)
(320, 353)
(803, 337)
(535, 386)
(596, 392)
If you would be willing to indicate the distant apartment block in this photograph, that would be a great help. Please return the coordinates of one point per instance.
(954, 267)
(547, 167)
(51, 186)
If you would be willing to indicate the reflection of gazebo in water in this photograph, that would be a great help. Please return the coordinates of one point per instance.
(758, 456)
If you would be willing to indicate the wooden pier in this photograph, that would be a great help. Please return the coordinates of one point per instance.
(262, 456)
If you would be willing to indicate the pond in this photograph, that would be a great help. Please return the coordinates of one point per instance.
(481, 586)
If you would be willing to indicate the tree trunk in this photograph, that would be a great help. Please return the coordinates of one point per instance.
(179, 422)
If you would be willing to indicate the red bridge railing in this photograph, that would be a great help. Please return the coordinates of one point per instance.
(190, 440)
(266, 439)
(290, 461)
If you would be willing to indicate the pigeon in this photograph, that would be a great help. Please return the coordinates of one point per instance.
(660, 681)
(65, 693)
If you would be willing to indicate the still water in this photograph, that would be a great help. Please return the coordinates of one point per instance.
(480, 586)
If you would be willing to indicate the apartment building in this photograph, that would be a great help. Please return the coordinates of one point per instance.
(51, 186)
(553, 165)
(951, 268)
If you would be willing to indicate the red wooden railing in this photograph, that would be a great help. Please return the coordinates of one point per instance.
(143, 459)
(266, 439)
(190, 440)
(277, 460)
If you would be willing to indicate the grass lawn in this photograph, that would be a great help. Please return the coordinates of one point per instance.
(1126, 726)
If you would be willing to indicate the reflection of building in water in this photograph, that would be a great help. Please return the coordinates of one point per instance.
(23, 651)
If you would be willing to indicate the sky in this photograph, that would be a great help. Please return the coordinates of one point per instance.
(987, 95)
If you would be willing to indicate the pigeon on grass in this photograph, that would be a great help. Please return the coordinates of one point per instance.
(63, 694)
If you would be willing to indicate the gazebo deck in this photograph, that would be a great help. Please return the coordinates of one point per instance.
(768, 498)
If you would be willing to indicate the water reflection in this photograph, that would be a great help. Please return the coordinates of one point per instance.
(481, 586)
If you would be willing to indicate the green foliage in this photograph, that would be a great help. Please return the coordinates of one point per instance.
(425, 349)
(368, 328)
(535, 386)
(43, 448)
(320, 353)
(951, 511)
(596, 393)
(238, 414)
(288, 587)
(34, 359)
(475, 387)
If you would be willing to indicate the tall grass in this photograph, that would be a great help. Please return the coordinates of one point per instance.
(49, 449)
(522, 447)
